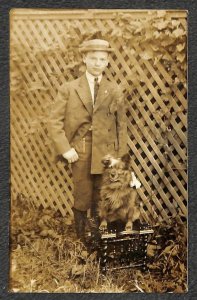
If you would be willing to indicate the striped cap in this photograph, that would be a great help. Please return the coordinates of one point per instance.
(95, 45)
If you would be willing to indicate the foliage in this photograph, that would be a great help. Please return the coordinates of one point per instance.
(157, 38)
(168, 255)
(46, 257)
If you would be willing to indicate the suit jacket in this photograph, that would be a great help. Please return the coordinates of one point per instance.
(72, 115)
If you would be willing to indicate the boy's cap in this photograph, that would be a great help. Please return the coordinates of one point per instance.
(95, 45)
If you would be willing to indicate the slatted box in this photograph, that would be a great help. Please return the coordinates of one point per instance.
(123, 249)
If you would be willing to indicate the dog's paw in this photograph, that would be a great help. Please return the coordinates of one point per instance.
(129, 226)
(103, 225)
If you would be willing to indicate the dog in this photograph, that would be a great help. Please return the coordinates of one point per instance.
(118, 193)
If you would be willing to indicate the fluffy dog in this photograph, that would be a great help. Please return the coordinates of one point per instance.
(118, 193)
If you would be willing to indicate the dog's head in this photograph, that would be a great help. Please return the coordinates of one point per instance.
(117, 171)
(124, 162)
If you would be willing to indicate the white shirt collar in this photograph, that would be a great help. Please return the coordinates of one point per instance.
(90, 77)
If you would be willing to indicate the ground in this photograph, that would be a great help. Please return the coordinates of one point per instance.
(46, 257)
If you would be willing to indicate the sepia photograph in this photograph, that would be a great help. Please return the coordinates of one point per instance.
(98, 151)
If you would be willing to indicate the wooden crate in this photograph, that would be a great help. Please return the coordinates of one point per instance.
(43, 54)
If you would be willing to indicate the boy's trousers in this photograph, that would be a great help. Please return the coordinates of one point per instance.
(86, 185)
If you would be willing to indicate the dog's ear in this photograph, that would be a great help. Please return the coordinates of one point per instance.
(126, 159)
(106, 161)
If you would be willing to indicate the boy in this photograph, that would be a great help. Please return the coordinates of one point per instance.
(87, 122)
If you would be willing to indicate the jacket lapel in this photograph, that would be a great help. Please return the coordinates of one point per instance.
(103, 92)
(84, 93)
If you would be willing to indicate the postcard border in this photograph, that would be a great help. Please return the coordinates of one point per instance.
(191, 7)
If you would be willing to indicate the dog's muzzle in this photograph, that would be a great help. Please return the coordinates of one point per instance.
(113, 176)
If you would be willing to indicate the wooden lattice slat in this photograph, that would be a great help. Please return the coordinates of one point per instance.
(38, 41)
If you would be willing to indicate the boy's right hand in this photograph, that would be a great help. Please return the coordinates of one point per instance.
(71, 155)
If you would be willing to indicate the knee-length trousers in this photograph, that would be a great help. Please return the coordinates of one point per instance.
(86, 185)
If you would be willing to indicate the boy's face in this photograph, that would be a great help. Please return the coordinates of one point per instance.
(96, 62)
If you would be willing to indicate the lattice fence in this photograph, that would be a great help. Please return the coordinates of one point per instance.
(43, 54)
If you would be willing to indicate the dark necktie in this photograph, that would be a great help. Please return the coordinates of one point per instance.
(96, 87)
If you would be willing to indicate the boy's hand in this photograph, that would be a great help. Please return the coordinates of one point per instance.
(71, 155)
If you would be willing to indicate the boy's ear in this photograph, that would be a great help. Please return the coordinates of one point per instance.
(126, 158)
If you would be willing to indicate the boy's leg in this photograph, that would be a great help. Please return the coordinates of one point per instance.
(80, 218)
(96, 197)
(83, 186)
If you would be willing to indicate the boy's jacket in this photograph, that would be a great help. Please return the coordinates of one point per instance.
(73, 115)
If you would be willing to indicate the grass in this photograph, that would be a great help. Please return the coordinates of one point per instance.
(47, 258)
